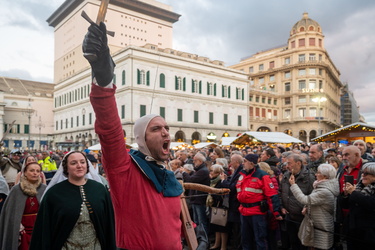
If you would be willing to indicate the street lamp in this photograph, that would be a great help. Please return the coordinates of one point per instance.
(29, 112)
(319, 99)
(40, 125)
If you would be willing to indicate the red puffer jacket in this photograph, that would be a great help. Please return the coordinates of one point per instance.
(254, 187)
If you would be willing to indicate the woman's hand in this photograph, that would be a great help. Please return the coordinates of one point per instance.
(304, 210)
(349, 188)
(292, 180)
(43, 177)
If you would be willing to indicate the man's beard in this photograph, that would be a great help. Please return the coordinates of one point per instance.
(346, 162)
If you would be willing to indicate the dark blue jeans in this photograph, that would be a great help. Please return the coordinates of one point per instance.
(199, 215)
(254, 232)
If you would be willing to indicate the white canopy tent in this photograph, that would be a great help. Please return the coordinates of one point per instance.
(226, 141)
(268, 137)
(205, 144)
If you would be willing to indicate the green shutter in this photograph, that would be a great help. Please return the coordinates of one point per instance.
(148, 78)
(243, 94)
(222, 90)
(114, 82)
(176, 82)
(237, 94)
(208, 88)
(229, 92)
(162, 80)
(179, 115)
(200, 87)
(215, 89)
(123, 77)
(162, 112)
(138, 76)
(184, 84)
(192, 86)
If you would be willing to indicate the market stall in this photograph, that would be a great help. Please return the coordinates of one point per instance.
(250, 138)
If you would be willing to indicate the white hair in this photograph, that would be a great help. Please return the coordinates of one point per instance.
(216, 168)
(223, 162)
(327, 170)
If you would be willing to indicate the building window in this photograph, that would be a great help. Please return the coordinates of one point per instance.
(180, 83)
(123, 80)
(312, 41)
(301, 58)
(142, 110)
(261, 67)
(113, 80)
(263, 100)
(287, 113)
(122, 111)
(287, 74)
(287, 60)
(196, 87)
(301, 84)
(272, 64)
(287, 100)
(312, 84)
(196, 116)
(320, 84)
(90, 118)
(302, 112)
(272, 78)
(320, 72)
(257, 99)
(312, 57)
(275, 102)
(162, 112)
(211, 118)
(57, 125)
(313, 112)
(225, 119)
(71, 122)
(293, 44)
(83, 120)
(302, 72)
(251, 69)
(77, 121)
(302, 99)
(162, 80)
(26, 129)
(261, 80)
(61, 124)
(312, 71)
(287, 86)
(239, 120)
(301, 42)
(179, 115)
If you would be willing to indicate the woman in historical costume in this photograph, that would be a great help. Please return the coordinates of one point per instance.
(322, 202)
(76, 213)
(20, 209)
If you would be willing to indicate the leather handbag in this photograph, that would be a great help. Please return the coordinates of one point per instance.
(306, 230)
(219, 216)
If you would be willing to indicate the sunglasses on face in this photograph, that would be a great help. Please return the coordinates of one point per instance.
(365, 174)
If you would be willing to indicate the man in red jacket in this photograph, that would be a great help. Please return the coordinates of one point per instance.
(257, 195)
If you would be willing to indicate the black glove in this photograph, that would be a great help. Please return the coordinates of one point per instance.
(96, 42)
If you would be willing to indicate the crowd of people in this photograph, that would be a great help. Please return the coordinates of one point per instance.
(272, 186)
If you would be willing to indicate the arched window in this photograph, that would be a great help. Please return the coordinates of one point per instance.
(162, 80)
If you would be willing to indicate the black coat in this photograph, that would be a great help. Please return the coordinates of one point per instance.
(233, 213)
(200, 176)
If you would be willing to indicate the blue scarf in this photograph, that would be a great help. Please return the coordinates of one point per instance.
(163, 179)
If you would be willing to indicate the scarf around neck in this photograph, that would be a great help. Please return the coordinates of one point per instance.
(163, 180)
(368, 190)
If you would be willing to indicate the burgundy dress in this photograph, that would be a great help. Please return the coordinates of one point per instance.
(28, 221)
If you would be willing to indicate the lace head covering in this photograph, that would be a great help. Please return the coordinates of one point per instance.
(60, 176)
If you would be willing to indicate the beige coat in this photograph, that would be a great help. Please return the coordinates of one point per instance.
(323, 200)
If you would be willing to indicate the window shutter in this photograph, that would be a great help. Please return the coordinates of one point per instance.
(215, 89)
(184, 84)
(138, 76)
(176, 82)
(148, 78)
(192, 86)
(123, 77)
(229, 92)
(200, 87)
(237, 94)
(222, 90)
(243, 94)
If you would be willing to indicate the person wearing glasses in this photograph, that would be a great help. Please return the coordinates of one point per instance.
(360, 199)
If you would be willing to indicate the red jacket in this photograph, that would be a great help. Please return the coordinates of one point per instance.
(254, 187)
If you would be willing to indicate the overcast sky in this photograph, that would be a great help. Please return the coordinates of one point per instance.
(226, 30)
